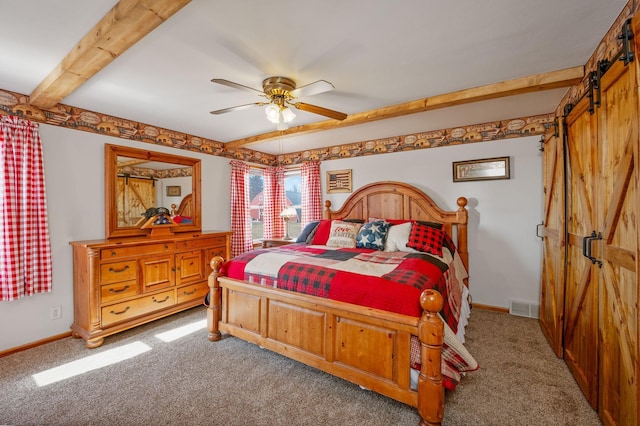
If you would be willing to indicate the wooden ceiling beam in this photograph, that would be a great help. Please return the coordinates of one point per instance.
(123, 26)
(535, 83)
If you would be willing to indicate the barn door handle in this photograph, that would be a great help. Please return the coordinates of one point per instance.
(538, 230)
(586, 247)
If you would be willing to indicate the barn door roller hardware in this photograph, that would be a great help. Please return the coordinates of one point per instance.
(626, 35)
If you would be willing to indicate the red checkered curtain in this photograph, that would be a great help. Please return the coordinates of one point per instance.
(274, 202)
(25, 260)
(311, 192)
(241, 239)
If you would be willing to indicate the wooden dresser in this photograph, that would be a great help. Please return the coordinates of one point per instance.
(119, 284)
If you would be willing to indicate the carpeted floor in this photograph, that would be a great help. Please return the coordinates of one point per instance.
(191, 381)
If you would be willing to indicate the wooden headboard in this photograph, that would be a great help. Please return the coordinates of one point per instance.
(397, 200)
(186, 206)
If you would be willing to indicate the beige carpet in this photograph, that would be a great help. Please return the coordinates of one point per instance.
(191, 381)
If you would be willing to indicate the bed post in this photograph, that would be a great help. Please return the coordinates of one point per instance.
(431, 335)
(326, 213)
(214, 310)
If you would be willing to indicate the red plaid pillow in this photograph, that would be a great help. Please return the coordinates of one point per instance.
(425, 238)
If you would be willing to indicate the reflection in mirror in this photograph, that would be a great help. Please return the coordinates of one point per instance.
(139, 181)
(143, 184)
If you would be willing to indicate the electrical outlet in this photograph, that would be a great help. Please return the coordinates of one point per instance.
(55, 312)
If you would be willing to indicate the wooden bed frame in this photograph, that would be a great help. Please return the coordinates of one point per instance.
(366, 346)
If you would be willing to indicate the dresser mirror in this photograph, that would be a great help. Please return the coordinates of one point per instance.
(137, 180)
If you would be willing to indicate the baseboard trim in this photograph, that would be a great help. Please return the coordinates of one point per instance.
(35, 344)
(490, 308)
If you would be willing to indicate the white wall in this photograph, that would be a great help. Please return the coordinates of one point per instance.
(504, 253)
(74, 174)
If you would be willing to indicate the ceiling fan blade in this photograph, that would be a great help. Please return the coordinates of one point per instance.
(235, 85)
(320, 110)
(314, 88)
(236, 108)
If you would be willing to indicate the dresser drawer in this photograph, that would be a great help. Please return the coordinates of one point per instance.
(193, 291)
(200, 243)
(118, 271)
(125, 310)
(140, 250)
(111, 292)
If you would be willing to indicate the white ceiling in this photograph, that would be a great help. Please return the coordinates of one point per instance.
(376, 53)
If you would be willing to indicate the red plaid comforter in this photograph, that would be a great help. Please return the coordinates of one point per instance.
(391, 281)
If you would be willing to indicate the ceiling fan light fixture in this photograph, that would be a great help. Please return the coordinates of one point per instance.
(288, 115)
(272, 112)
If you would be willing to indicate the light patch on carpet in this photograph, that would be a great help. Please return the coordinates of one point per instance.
(89, 363)
(185, 330)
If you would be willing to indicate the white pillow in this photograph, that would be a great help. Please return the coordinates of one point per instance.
(398, 237)
(343, 234)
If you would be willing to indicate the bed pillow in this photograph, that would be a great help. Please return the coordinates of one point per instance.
(398, 237)
(426, 239)
(322, 233)
(372, 235)
(343, 234)
(307, 231)
(436, 225)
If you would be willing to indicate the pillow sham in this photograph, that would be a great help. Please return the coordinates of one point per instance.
(426, 239)
(398, 237)
(307, 231)
(436, 225)
(372, 235)
(343, 234)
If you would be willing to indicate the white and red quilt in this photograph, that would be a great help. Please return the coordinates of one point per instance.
(390, 281)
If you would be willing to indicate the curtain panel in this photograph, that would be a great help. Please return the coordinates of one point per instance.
(25, 261)
(241, 239)
(311, 192)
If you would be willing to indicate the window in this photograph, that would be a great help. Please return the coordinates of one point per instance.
(293, 191)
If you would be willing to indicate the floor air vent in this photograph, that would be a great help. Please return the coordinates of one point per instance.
(523, 308)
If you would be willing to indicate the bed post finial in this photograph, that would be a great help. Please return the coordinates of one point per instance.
(326, 213)
(214, 310)
(431, 335)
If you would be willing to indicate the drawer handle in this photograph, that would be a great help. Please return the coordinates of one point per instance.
(117, 271)
(189, 293)
(121, 312)
(113, 290)
(161, 301)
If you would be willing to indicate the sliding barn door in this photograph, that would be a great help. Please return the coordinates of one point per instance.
(552, 233)
(618, 201)
(581, 287)
(133, 197)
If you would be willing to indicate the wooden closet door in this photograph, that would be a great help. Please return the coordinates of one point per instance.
(552, 232)
(618, 201)
(581, 287)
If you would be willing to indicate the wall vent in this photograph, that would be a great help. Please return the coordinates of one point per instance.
(523, 308)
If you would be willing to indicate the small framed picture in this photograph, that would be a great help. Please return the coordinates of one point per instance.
(483, 169)
(173, 191)
(339, 181)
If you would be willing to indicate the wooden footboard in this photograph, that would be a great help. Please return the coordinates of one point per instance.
(365, 346)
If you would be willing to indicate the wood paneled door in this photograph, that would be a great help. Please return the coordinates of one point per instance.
(580, 327)
(552, 232)
(600, 333)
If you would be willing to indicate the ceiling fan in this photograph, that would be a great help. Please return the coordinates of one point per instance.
(281, 93)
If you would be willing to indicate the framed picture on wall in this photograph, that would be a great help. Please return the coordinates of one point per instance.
(174, 191)
(483, 169)
(339, 181)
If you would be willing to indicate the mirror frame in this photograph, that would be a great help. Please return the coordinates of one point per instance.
(111, 154)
